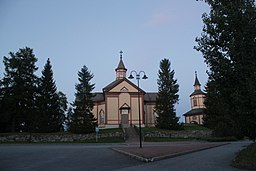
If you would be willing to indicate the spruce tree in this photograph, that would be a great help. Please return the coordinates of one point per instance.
(68, 120)
(51, 116)
(167, 97)
(63, 105)
(82, 120)
(5, 117)
(228, 46)
(18, 91)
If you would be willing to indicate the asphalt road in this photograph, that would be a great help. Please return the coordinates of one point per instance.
(28, 157)
(74, 157)
(214, 159)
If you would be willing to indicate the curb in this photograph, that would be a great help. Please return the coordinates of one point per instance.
(143, 159)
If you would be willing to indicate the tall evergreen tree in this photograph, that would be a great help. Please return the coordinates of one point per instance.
(68, 120)
(82, 120)
(167, 97)
(51, 116)
(5, 125)
(228, 46)
(18, 91)
(63, 105)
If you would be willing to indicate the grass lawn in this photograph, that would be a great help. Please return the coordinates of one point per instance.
(165, 139)
(220, 139)
(151, 129)
(186, 127)
(246, 159)
(110, 130)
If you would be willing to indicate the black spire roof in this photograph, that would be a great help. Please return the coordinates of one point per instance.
(197, 87)
(121, 63)
(196, 80)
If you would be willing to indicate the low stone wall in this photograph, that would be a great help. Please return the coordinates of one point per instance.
(179, 134)
(54, 137)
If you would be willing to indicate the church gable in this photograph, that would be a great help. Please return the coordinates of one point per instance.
(123, 85)
(124, 89)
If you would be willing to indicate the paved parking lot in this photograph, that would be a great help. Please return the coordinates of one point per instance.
(61, 157)
(19, 157)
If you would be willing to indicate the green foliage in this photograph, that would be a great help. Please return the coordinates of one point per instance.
(18, 92)
(167, 97)
(186, 127)
(27, 103)
(51, 104)
(246, 159)
(82, 119)
(110, 130)
(68, 120)
(228, 46)
(151, 129)
(62, 102)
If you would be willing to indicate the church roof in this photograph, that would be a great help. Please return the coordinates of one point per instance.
(196, 80)
(116, 82)
(197, 86)
(194, 112)
(197, 92)
(98, 97)
(112, 84)
(150, 97)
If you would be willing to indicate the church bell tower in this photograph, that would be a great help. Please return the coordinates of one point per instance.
(121, 70)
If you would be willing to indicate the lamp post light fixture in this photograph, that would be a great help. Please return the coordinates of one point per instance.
(138, 83)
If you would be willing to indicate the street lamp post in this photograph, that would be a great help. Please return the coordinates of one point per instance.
(138, 83)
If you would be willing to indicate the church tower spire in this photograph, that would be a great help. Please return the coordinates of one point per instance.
(121, 70)
(197, 84)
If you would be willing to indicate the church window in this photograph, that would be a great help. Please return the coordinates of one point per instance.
(124, 89)
(121, 75)
(102, 117)
(125, 111)
(194, 118)
(194, 102)
(155, 116)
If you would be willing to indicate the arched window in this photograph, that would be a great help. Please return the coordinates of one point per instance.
(155, 117)
(102, 117)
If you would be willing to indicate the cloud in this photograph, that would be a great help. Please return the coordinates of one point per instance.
(159, 19)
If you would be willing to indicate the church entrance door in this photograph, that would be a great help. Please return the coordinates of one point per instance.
(125, 120)
(125, 117)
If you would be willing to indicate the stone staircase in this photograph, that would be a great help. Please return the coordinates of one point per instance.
(131, 135)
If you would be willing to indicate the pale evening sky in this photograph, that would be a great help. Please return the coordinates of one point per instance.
(73, 33)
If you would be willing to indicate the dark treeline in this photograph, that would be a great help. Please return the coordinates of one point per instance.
(33, 104)
(29, 103)
(228, 45)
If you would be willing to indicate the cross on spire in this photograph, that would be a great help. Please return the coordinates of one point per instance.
(121, 54)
